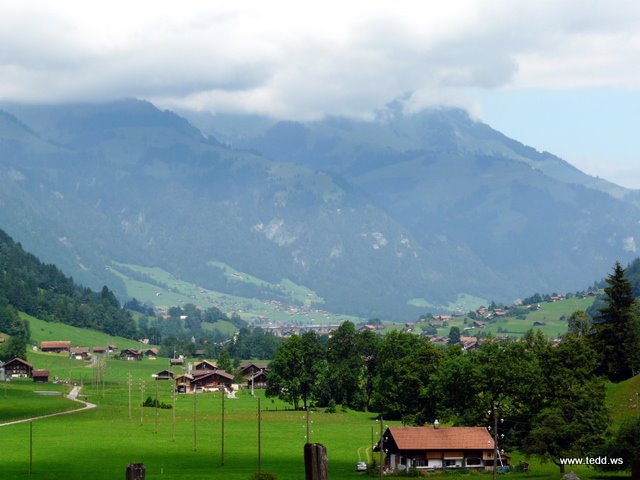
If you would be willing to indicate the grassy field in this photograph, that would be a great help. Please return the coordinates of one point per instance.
(98, 444)
(164, 290)
(20, 399)
(42, 331)
(623, 399)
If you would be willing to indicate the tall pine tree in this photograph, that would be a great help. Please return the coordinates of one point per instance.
(616, 331)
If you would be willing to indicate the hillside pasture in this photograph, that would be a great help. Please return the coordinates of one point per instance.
(553, 315)
(42, 331)
(162, 289)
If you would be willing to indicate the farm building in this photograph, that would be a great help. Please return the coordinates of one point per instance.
(205, 365)
(176, 361)
(250, 369)
(79, 353)
(203, 381)
(131, 354)
(258, 380)
(112, 348)
(435, 448)
(55, 347)
(99, 349)
(164, 375)
(40, 376)
(18, 367)
(151, 353)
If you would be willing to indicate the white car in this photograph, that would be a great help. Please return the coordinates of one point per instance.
(361, 467)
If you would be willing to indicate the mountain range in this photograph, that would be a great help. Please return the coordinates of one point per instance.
(385, 217)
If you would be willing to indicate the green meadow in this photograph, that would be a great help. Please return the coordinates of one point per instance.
(42, 331)
(158, 287)
(100, 443)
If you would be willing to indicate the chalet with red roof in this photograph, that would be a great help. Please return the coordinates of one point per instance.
(55, 347)
(433, 448)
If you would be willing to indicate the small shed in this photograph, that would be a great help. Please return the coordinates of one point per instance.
(40, 376)
(164, 375)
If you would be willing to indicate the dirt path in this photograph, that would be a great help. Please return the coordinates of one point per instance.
(73, 395)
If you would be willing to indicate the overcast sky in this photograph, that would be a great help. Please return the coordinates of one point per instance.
(562, 75)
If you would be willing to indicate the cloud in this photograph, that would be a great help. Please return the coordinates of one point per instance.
(300, 60)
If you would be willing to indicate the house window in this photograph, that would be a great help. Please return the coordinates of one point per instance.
(473, 462)
(450, 463)
(420, 462)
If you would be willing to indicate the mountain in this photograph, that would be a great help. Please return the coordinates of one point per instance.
(380, 218)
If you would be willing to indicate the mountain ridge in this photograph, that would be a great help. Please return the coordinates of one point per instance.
(367, 225)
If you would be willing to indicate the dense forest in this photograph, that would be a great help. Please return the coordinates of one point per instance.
(43, 291)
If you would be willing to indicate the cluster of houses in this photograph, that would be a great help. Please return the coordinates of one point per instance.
(79, 353)
(205, 376)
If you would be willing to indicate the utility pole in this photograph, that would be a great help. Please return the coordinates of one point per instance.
(259, 439)
(381, 447)
(308, 429)
(129, 385)
(173, 428)
(222, 431)
(30, 448)
(495, 442)
(156, 405)
(195, 439)
(141, 402)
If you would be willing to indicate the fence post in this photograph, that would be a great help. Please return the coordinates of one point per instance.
(316, 464)
(135, 471)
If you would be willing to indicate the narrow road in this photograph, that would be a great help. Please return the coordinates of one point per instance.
(73, 395)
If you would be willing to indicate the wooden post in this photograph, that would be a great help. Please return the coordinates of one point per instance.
(316, 465)
(136, 471)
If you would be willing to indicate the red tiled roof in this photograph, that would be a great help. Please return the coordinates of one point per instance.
(40, 373)
(59, 344)
(452, 438)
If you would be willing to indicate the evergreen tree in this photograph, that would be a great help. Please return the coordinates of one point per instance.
(616, 333)
(454, 335)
